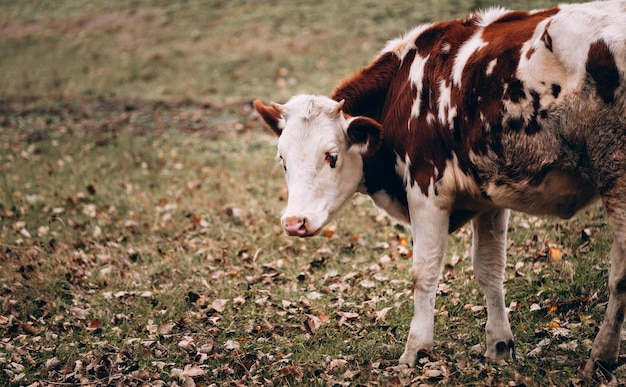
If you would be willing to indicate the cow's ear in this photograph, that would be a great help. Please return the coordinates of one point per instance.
(364, 135)
(272, 115)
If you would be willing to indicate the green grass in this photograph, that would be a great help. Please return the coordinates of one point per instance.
(139, 205)
(207, 50)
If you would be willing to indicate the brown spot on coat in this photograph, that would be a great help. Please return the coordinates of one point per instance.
(547, 39)
(603, 70)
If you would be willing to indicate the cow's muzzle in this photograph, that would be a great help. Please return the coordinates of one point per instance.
(297, 226)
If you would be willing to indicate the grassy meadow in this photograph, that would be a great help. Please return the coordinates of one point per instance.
(139, 206)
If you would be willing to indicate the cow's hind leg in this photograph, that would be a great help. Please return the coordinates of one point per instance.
(605, 349)
(489, 259)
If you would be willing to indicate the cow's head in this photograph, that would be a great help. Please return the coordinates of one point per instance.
(321, 150)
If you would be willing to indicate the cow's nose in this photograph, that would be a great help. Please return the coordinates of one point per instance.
(295, 226)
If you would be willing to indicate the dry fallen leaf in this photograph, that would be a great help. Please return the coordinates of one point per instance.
(292, 371)
(431, 373)
(94, 324)
(187, 374)
(569, 345)
(345, 316)
(152, 327)
(313, 323)
(53, 364)
(368, 283)
(231, 345)
(380, 315)
(323, 317)
(219, 305)
(336, 364)
(187, 343)
(555, 254)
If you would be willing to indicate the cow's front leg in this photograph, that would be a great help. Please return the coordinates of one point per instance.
(429, 226)
(489, 258)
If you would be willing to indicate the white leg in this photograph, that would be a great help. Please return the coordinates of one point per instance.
(429, 225)
(605, 349)
(489, 259)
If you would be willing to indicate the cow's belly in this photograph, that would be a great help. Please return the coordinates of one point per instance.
(559, 194)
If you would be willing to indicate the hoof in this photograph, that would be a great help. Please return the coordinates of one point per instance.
(410, 358)
(503, 350)
(603, 370)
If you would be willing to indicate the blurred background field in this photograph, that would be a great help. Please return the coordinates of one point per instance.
(209, 50)
(139, 205)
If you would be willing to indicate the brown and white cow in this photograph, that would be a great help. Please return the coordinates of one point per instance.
(460, 121)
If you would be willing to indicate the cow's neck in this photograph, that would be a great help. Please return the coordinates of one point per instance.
(366, 91)
(383, 184)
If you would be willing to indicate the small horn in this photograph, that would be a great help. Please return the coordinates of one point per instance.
(279, 108)
(338, 107)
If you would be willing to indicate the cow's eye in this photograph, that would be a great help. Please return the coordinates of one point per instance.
(282, 162)
(331, 159)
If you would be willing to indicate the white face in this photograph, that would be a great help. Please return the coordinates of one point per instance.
(323, 170)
